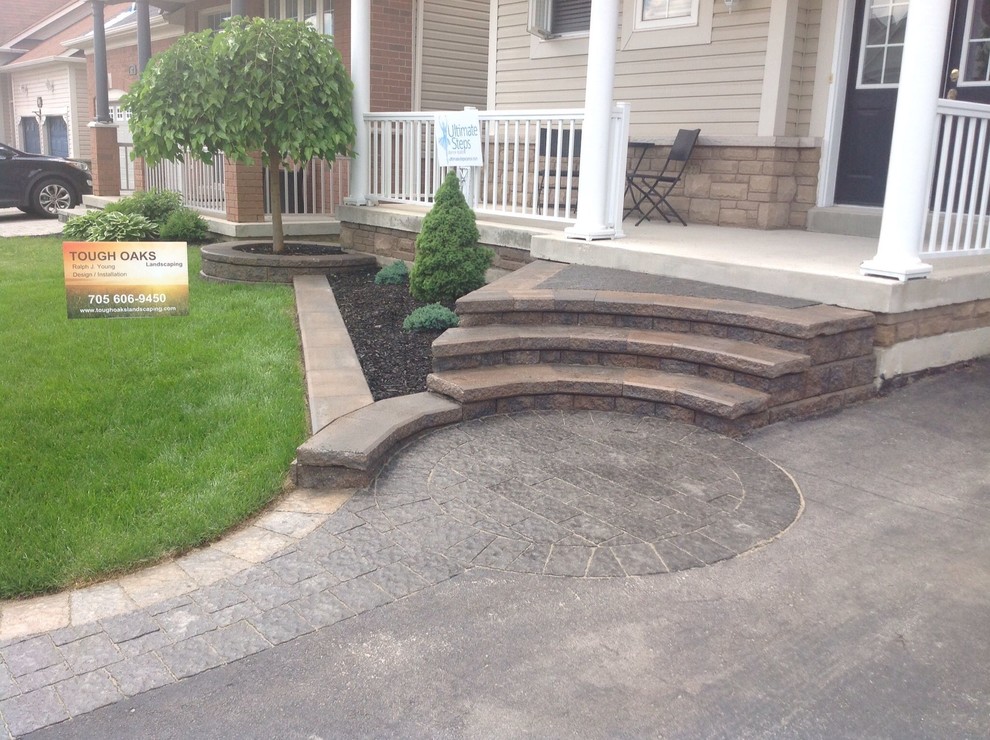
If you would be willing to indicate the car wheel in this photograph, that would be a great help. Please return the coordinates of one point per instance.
(51, 196)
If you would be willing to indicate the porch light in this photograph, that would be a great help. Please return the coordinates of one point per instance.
(730, 4)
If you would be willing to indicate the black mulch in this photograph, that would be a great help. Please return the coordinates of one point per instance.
(395, 362)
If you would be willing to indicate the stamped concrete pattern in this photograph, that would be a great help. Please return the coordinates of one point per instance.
(556, 493)
(586, 494)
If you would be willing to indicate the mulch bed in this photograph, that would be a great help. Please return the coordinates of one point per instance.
(395, 362)
(292, 249)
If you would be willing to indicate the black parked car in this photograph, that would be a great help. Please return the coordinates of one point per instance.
(40, 184)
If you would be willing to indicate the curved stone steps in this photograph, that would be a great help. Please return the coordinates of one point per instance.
(464, 348)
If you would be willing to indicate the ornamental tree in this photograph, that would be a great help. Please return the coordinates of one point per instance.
(257, 85)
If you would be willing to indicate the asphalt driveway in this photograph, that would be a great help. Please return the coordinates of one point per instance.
(866, 618)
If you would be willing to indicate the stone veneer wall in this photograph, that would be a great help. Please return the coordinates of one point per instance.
(758, 187)
(893, 328)
(396, 244)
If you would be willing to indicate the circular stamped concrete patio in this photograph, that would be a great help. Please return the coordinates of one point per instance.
(580, 494)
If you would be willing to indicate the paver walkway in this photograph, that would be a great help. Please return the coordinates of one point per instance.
(578, 494)
(15, 223)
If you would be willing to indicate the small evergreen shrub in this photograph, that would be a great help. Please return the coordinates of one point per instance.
(183, 225)
(154, 205)
(431, 318)
(395, 274)
(121, 227)
(449, 263)
(77, 228)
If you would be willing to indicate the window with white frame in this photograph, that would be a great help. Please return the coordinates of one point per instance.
(211, 18)
(976, 45)
(884, 26)
(554, 18)
(317, 13)
(666, 13)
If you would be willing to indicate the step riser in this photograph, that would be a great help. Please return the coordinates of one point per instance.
(618, 360)
(583, 402)
(825, 348)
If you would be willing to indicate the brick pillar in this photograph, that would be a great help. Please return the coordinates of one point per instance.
(244, 185)
(139, 174)
(106, 158)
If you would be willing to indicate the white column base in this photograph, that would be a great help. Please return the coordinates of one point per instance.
(899, 270)
(357, 201)
(580, 232)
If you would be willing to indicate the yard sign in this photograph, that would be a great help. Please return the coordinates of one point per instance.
(125, 280)
(458, 139)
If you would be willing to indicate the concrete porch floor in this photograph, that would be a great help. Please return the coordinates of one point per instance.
(796, 264)
(793, 263)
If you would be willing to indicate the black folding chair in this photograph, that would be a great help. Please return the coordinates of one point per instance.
(650, 190)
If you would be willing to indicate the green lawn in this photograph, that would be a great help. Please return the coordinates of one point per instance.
(125, 440)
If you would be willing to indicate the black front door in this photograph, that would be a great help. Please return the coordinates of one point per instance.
(967, 66)
(871, 96)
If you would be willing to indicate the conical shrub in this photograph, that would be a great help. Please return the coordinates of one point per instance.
(449, 263)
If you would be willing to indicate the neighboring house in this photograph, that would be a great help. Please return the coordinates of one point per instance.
(425, 54)
(17, 16)
(51, 104)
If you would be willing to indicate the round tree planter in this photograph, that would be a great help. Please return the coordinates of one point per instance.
(230, 262)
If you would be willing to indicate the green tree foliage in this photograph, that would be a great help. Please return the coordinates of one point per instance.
(257, 85)
(449, 263)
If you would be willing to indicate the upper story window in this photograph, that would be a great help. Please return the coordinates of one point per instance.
(666, 13)
(211, 18)
(553, 18)
(317, 13)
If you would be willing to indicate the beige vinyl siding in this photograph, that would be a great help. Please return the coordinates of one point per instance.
(715, 86)
(455, 54)
(80, 119)
(803, 68)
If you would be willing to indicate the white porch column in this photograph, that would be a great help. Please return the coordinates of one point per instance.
(361, 103)
(592, 210)
(905, 205)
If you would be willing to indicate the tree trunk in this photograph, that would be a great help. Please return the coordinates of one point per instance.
(275, 195)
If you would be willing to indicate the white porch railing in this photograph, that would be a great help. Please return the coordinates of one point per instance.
(126, 166)
(200, 184)
(959, 192)
(531, 161)
(318, 188)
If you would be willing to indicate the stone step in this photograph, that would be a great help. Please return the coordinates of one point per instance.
(478, 346)
(825, 332)
(350, 450)
(481, 385)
